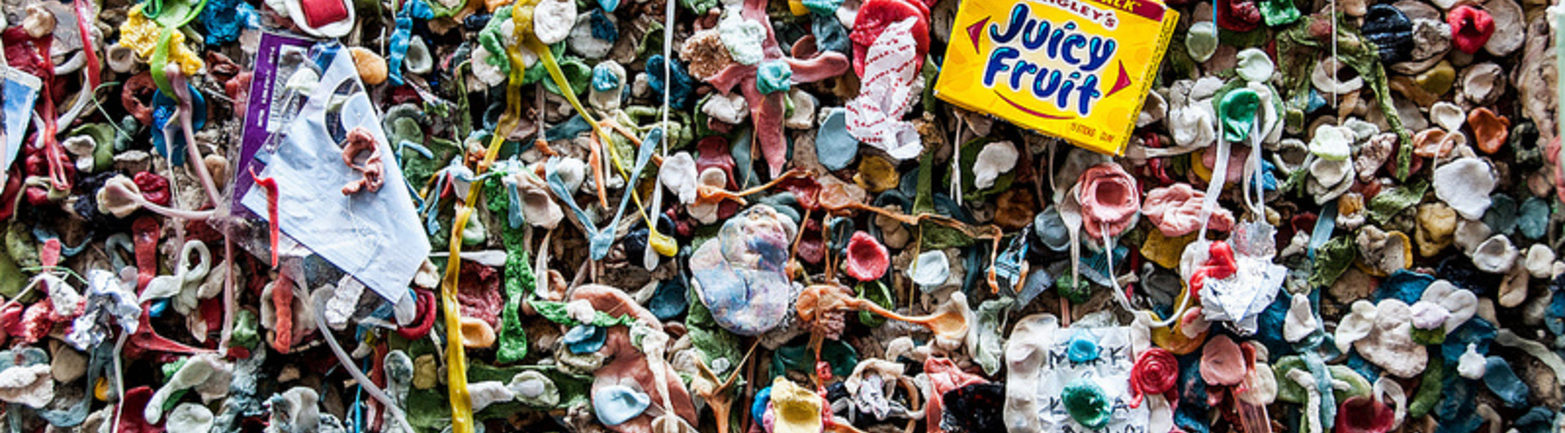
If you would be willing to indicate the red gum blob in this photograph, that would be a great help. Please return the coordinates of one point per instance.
(811, 248)
(211, 311)
(238, 89)
(145, 231)
(805, 189)
(282, 304)
(49, 255)
(12, 187)
(153, 187)
(867, 258)
(713, 152)
(145, 339)
(270, 186)
(875, 15)
(11, 318)
(1219, 265)
(1238, 15)
(1470, 28)
(478, 291)
(320, 13)
(131, 418)
(1156, 372)
(425, 319)
(137, 87)
(21, 52)
(34, 323)
(1362, 414)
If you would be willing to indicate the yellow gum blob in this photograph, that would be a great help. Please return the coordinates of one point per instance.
(140, 33)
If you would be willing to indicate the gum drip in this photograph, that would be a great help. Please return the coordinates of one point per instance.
(1559, 89)
(456, 356)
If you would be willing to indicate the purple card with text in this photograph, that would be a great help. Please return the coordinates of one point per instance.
(277, 57)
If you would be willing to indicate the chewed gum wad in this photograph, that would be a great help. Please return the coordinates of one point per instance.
(740, 274)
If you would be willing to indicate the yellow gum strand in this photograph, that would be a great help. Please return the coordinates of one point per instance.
(661, 243)
(547, 57)
(558, 76)
(456, 356)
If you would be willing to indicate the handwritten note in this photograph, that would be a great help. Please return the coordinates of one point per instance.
(1110, 370)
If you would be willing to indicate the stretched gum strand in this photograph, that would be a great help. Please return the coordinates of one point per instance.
(981, 232)
(558, 76)
(159, 59)
(160, 209)
(94, 71)
(159, 62)
(364, 382)
(270, 185)
(659, 241)
(80, 104)
(182, 90)
(53, 154)
(793, 247)
(228, 293)
(595, 159)
(822, 298)
(946, 322)
(175, 213)
(33, 283)
(565, 88)
(719, 397)
(147, 339)
(456, 355)
(145, 235)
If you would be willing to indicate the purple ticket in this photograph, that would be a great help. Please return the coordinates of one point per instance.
(273, 66)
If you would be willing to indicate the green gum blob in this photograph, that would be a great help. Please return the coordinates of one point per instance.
(245, 334)
(1290, 391)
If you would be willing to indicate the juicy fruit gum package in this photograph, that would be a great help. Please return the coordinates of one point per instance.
(1058, 70)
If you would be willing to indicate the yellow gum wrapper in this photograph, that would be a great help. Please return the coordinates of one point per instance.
(1074, 69)
(140, 33)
